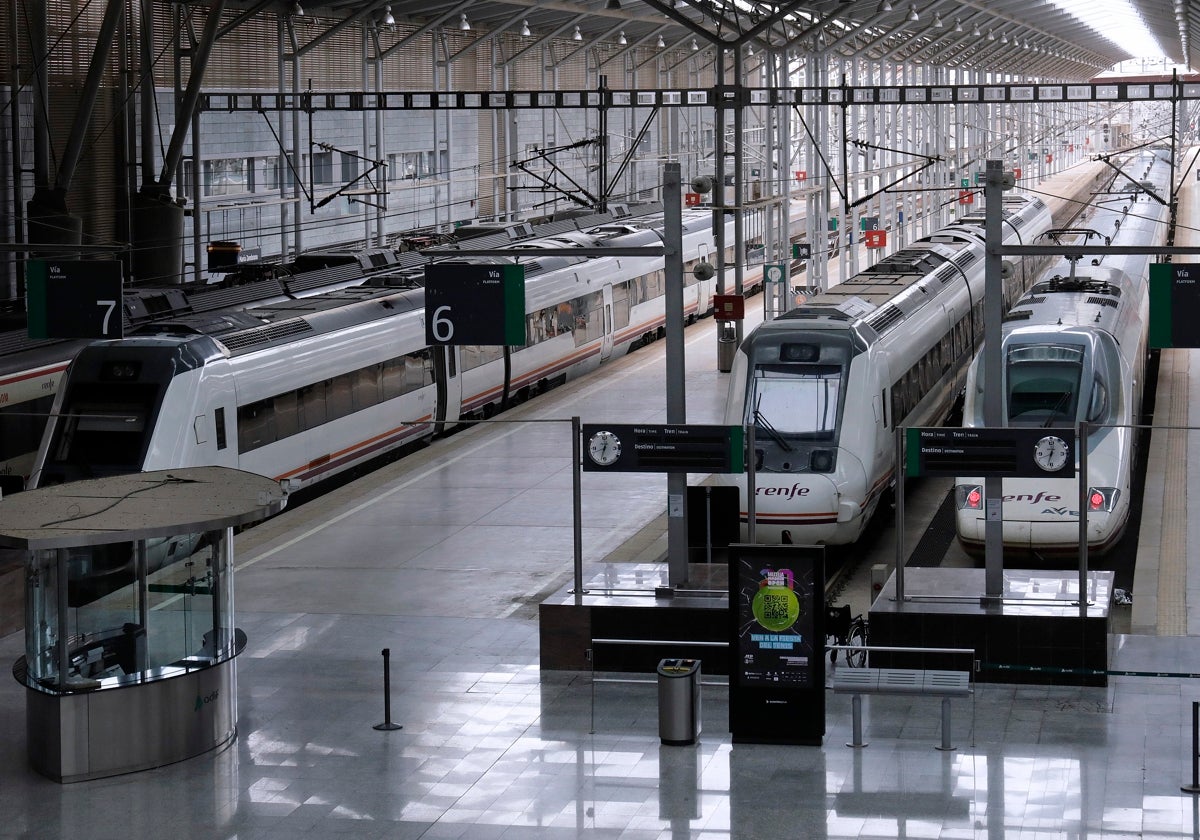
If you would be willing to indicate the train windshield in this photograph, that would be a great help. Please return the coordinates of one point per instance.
(1043, 384)
(796, 401)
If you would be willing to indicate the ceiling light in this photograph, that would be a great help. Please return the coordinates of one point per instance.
(463, 23)
(578, 36)
(749, 49)
(991, 35)
(912, 13)
(525, 29)
(937, 20)
(975, 33)
(388, 20)
(297, 9)
(958, 25)
(661, 42)
(1003, 38)
(613, 4)
(621, 38)
(695, 46)
(885, 6)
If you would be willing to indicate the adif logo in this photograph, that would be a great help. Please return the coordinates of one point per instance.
(201, 702)
(787, 492)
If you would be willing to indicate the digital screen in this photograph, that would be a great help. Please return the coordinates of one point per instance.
(776, 603)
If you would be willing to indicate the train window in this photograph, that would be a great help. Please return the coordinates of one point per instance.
(21, 427)
(418, 368)
(1098, 409)
(801, 401)
(620, 296)
(219, 422)
(474, 355)
(312, 406)
(287, 415)
(365, 387)
(1043, 384)
(393, 378)
(339, 401)
(256, 425)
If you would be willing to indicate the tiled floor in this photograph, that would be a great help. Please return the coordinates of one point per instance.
(443, 559)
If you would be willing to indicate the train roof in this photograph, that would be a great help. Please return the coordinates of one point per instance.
(279, 323)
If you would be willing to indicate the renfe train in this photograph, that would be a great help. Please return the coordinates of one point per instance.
(300, 390)
(823, 387)
(1074, 349)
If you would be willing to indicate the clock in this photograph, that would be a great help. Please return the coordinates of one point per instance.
(1051, 453)
(604, 448)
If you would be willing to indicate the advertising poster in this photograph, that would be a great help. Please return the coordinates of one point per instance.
(775, 637)
(777, 676)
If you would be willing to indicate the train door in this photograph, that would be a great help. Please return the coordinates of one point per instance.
(447, 376)
(606, 341)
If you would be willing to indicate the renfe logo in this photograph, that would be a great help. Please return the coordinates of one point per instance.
(1032, 499)
(789, 492)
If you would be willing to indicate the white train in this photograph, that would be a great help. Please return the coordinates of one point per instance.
(300, 390)
(1074, 349)
(824, 386)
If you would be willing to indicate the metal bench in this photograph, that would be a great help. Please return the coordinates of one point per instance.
(860, 681)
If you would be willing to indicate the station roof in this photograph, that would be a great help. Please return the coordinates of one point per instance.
(1027, 38)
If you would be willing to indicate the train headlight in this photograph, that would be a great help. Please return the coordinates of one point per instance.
(1102, 499)
(968, 496)
(821, 460)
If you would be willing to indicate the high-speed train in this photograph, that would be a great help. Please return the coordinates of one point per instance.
(823, 387)
(302, 389)
(1074, 350)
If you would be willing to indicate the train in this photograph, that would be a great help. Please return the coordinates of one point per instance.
(1074, 349)
(31, 369)
(303, 389)
(822, 388)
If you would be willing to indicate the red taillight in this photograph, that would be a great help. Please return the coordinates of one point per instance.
(974, 500)
(1096, 500)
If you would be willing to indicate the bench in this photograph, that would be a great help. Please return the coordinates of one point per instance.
(860, 681)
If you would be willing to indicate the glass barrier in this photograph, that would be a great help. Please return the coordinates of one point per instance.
(128, 612)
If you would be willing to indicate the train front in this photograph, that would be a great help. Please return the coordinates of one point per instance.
(790, 386)
(1053, 379)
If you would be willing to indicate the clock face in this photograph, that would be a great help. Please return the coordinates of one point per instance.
(1051, 453)
(604, 448)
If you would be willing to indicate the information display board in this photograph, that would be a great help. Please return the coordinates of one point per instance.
(678, 447)
(474, 304)
(777, 644)
(1018, 452)
(74, 299)
(1174, 305)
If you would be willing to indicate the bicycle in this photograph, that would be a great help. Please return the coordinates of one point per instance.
(844, 629)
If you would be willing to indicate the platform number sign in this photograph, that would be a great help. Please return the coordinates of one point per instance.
(474, 304)
(74, 299)
(1174, 305)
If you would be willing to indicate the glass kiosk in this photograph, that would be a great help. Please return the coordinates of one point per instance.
(130, 640)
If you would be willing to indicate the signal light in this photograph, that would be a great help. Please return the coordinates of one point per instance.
(1102, 499)
(968, 496)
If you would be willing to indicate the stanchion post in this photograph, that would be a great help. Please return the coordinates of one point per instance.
(1194, 787)
(387, 725)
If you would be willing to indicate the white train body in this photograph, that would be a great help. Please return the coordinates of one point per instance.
(1074, 349)
(823, 387)
(300, 390)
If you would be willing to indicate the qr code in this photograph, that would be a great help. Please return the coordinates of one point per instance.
(775, 607)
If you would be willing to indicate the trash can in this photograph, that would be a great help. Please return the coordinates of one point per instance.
(726, 345)
(679, 701)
